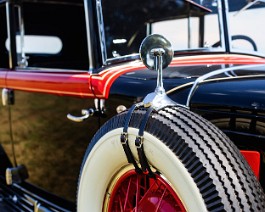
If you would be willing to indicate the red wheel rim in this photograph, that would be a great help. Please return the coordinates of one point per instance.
(138, 192)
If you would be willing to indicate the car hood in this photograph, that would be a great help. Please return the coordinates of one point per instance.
(241, 85)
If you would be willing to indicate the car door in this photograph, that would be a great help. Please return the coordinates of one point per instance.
(50, 79)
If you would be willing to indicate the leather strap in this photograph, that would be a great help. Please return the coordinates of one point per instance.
(139, 144)
(124, 140)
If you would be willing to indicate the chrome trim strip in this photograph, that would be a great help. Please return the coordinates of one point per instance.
(189, 31)
(22, 58)
(101, 32)
(91, 55)
(226, 26)
(9, 34)
(221, 24)
(148, 29)
(123, 58)
(189, 84)
(202, 78)
(27, 193)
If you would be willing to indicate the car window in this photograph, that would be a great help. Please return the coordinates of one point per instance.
(187, 24)
(246, 19)
(3, 36)
(185, 33)
(51, 35)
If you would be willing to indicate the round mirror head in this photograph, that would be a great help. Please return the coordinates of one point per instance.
(154, 45)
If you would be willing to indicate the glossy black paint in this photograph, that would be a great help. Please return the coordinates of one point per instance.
(56, 143)
(48, 144)
(241, 88)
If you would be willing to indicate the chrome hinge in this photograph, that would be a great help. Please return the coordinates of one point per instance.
(8, 97)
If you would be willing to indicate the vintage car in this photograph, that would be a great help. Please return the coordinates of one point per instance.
(132, 105)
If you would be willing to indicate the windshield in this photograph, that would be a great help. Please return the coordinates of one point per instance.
(246, 25)
(188, 25)
(185, 24)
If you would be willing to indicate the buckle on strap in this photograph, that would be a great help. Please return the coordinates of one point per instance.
(139, 141)
(124, 138)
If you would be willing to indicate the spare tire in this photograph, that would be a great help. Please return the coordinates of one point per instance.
(197, 168)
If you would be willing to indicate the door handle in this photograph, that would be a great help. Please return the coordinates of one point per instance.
(86, 113)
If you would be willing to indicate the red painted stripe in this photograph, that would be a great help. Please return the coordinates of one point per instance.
(73, 84)
(78, 84)
(102, 82)
(217, 59)
(2, 78)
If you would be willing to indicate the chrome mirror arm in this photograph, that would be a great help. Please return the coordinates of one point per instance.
(156, 53)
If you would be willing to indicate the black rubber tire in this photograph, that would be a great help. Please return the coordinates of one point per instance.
(219, 171)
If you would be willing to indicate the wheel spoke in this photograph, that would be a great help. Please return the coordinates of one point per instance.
(147, 191)
(120, 201)
(127, 193)
(160, 201)
(138, 192)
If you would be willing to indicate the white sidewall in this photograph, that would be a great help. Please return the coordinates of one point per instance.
(107, 157)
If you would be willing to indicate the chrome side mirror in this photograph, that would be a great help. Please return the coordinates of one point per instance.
(156, 45)
(156, 53)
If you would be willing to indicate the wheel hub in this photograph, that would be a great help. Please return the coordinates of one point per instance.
(139, 192)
